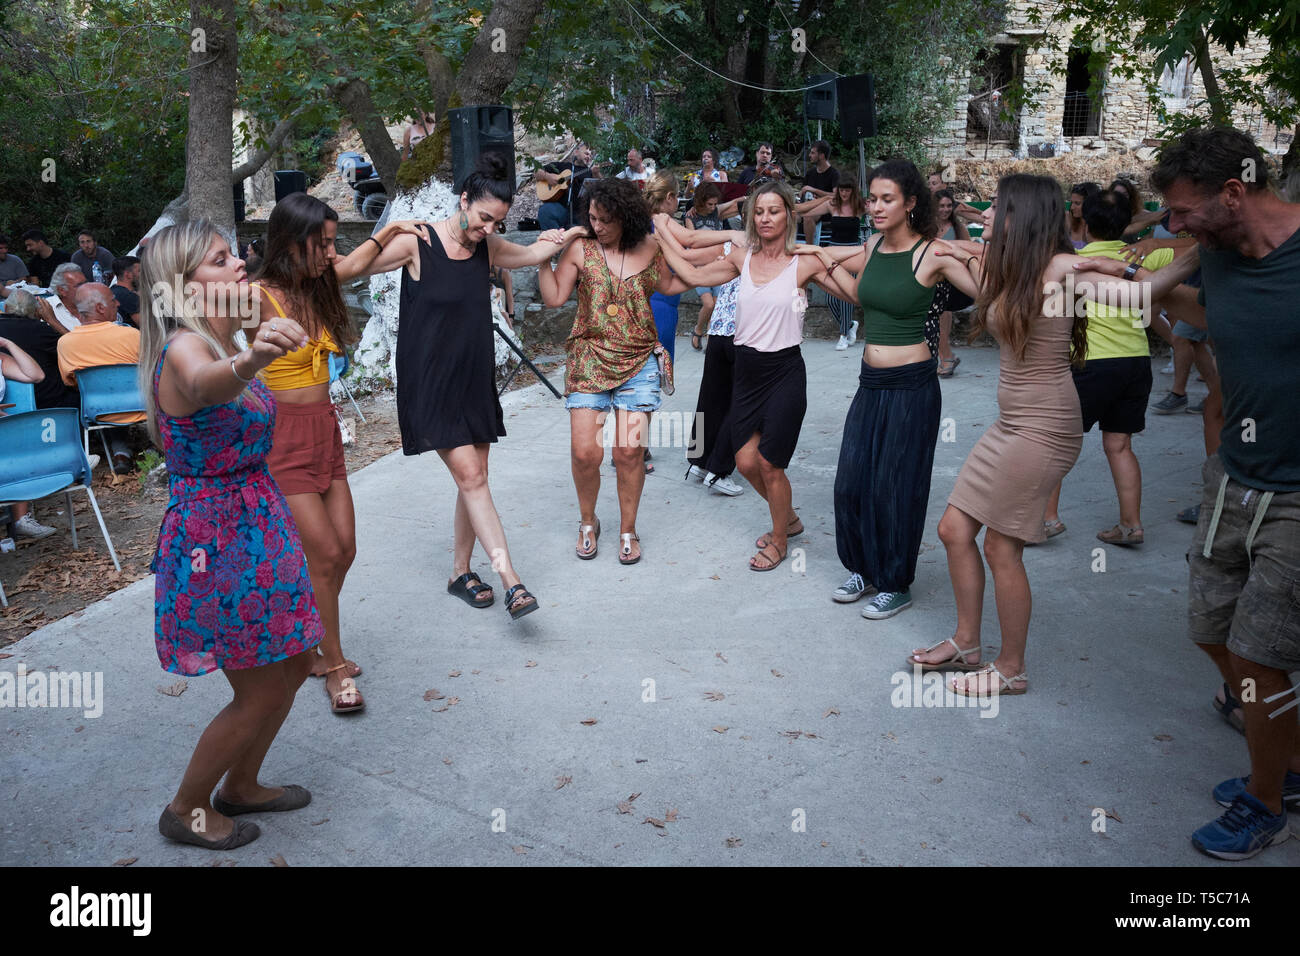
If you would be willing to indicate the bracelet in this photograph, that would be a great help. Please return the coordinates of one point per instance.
(375, 241)
(832, 266)
(236, 371)
(970, 260)
(1131, 272)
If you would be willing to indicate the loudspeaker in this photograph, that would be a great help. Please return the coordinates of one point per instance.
(480, 129)
(240, 208)
(856, 97)
(288, 182)
(819, 100)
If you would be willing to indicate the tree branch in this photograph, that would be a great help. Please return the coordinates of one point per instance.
(260, 156)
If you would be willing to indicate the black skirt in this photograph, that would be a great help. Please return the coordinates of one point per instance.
(710, 446)
(770, 397)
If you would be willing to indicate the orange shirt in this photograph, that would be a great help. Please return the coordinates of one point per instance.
(99, 343)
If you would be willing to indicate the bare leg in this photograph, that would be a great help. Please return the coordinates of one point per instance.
(468, 465)
(706, 313)
(241, 784)
(1127, 474)
(945, 336)
(1011, 590)
(1053, 505)
(586, 454)
(1272, 743)
(630, 435)
(957, 531)
(1182, 364)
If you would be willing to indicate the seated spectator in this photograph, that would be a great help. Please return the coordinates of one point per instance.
(61, 308)
(43, 260)
(91, 254)
(127, 289)
(819, 182)
(16, 364)
(22, 324)
(764, 168)
(635, 171)
(98, 341)
(12, 269)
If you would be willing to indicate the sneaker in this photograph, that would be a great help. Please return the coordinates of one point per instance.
(723, 485)
(853, 333)
(695, 473)
(887, 604)
(28, 527)
(1244, 830)
(850, 590)
(1197, 409)
(1190, 515)
(842, 344)
(1228, 791)
(1168, 369)
(1169, 404)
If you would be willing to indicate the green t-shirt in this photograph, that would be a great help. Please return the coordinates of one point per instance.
(1116, 332)
(1252, 312)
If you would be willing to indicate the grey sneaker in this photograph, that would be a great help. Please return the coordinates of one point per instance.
(723, 485)
(1197, 409)
(887, 604)
(1169, 404)
(28, 527)
(850, 590)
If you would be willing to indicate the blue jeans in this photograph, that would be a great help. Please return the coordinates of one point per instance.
(554, 215)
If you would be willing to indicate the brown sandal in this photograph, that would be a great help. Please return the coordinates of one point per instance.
(346, 689)
(791, 531)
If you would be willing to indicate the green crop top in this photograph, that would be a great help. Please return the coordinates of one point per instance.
(894, 304)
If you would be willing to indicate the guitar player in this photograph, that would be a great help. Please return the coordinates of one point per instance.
(562, 209)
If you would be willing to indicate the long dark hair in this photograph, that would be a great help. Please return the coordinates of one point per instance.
(908, 177)
(295, 219)
(850, 182)
(1030, 229)
(959, 230)
(623, 201)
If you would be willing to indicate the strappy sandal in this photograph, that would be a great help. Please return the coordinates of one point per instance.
(957, 662)
(590, 536)
(356, 668)
(520, 593)
(762, 553)
(346, 689)
(764, 539)
(697, 339)
(948, 366)
(1122, 535)
(1230, 710)
(1005, 688)
(469, 593)
(627, 538)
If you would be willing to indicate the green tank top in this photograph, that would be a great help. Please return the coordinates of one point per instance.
(894, 304)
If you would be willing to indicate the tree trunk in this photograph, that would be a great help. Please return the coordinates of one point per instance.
(492, 61)
(1213, 94)
(210, 143)
(353, 97)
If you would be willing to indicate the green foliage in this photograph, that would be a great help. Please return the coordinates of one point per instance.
(148, 461)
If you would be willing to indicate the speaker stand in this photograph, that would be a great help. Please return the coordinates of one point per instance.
(523, 360)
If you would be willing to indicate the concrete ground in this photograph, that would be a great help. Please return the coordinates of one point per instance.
(751, 717)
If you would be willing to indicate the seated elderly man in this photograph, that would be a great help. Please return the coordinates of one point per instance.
(98, 341)
(59, 310)
(21, 323)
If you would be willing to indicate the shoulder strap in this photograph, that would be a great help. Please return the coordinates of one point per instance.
(267, 292)
(916, 268)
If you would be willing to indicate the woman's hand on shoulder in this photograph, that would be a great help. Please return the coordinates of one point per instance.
(409, 227)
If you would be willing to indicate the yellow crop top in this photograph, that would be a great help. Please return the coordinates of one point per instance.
(303, 367)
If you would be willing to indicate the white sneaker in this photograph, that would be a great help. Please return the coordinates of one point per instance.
(723, 485)
(853, 333)
(1168, 369)
(696, 473)
(842, 344)
(28, 527)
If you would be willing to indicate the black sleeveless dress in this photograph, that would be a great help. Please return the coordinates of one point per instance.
(446, 389)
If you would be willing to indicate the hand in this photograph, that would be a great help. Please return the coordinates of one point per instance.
(1139, 250)
(1110, 267)
(661, 220)
(408, 227)
(941, 248)
(556, 236)
(803, 249)
(274, 338)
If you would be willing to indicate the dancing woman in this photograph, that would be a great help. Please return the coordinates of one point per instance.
(770, 393)
(706, 213)
(232, 591)
(615, 358)
(1008, 476)
(446, 392)
(882, 485)
(950, 228)
(846, 209)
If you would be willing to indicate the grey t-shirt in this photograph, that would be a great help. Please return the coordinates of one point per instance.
(102, 256)
(1252, 312)
(12, 269)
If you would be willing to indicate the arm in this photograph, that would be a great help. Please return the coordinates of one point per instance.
(556, 285)
(960, 229)
(845, 255)
(368, 259)
(695, 238)
(194, 378)
(1106, 275)
(1144, 247)
(834, 277)
(728, 209)
(962, 270)
(18, 365)
(549, 178)
(512, 255)
(715, 273)
(510, 291)
(968, 212)
(47, 315)
(1144, 219)
(807, 207)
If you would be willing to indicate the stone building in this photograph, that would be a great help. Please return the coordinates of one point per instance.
(1077, 106)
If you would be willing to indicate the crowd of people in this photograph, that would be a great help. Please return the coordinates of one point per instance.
(256, 465)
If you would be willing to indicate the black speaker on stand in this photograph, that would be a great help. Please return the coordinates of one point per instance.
(480, 129)
(819, 98)
(856, 99)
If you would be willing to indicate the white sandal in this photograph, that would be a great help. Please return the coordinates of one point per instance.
(1004, 689)
(957, 662)
(627, 539)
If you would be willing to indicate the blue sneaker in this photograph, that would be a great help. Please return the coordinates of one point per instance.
(1227, 791)
(1246, 828)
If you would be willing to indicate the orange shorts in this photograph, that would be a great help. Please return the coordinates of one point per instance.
(306, 449)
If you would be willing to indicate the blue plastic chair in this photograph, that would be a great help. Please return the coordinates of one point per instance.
(22, 394)
(43, 457)
(339, 365)
(107, 390)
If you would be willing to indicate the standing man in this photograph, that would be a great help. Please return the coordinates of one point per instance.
(43, 258)
(12, 269)
(635, 170)
(563, 209)
(819, 181)
(127, 290)
(1245, 558)
(96, 262)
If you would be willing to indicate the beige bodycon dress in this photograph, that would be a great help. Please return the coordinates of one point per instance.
(1010, 473)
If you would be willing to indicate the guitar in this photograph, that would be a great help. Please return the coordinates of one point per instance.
(559, 192)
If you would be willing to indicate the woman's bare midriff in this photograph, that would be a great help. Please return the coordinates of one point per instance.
(892, 356)
(303, 396)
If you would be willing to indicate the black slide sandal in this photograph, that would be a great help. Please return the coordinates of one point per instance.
(462, 589)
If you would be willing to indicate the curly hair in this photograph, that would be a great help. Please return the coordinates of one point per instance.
(623, 201)
(904, 173)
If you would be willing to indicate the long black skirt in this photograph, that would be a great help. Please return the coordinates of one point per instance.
(711, 447)
(770, 397)
(882, 486)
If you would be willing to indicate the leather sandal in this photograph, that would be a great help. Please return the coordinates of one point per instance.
(764, 539)
(957, 662)
(627, 538)
(762, 553)
(520, 601)
(469, 593)
(1004, 688)
(1122, 535)
(347, 689)
(589, 534)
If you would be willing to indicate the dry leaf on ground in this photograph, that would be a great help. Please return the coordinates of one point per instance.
(174, 690)
(125, 861)
(732, 842)
(654, 822)
(530, 663)
(831, 711)
(719, 656)
(433, 694)
(777, 673)
(451, 702)
(714, 695)
(562, 782)
(589, 722)
(278, 860)
(720, 729)
(671, 816)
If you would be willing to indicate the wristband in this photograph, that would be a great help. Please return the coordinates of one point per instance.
(375, 241)
(236, 371)
(1131, 272)
(970, 260)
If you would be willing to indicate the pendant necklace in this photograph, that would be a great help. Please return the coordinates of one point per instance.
(612, 308)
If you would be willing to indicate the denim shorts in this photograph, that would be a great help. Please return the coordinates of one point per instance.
(1185, 330)
(708, 290)
(640, 393)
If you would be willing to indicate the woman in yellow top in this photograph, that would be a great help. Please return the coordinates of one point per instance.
(299, 278)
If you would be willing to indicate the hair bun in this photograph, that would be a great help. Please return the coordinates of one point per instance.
(492, 165)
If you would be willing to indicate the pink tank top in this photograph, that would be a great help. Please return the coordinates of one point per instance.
(769, 317)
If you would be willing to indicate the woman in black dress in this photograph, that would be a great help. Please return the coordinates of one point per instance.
(446, 393)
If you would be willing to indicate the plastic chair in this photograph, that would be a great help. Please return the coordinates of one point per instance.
(107, 390)
(22, 394)
(43, 457)
(339, 365)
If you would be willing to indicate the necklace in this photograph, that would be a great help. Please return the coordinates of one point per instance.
(612, 308)
(459, 240)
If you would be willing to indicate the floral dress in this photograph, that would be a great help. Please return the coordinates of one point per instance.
(231, 590)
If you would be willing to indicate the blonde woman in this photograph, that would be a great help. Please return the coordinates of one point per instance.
(232, 591)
